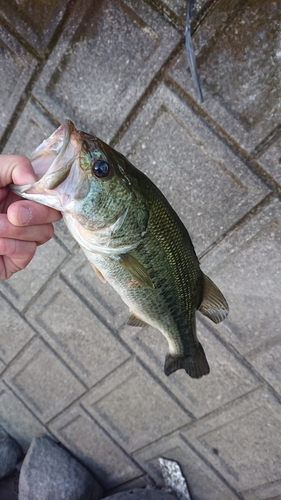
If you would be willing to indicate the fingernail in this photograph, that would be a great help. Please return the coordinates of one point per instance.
(24, 215)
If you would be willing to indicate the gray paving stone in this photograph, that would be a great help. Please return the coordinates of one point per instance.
(22, 287)
(17, 419)
(179, 7)
(229, 375)
(248, 268)
(36, 22)
(242, 440)
(270, 160)
(269, 491)
(129, 404)
(87, 440)
(139, 482)
(208, 186)
(10, 453)
(31, 129)
(144, 494)
(238, 60)
(15, 332)
(111, 71)
(49, 472)
(17, 65)
(81, 337)
(42, 381)
(267, 360)
(2, 366)
(224, 430)
(204, 483)
(102, 297)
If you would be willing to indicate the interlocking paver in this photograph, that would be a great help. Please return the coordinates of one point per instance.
(248, 263)
(17, 419)
(68, 364)
(111, 71)
(237, 438)
(134, 421)
(17, 65)
(179, 7)
(238, 42)
(46, 262)
(15, 332)
(34, 126)
(78, 274)
(92, 445)
(266, 491)
(86, 344)
(203, 481)
(43, 382)
(206, 183)
(270, 160)
(34, 21)
(229, 377)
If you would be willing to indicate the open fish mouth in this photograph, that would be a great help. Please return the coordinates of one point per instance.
(52, 162)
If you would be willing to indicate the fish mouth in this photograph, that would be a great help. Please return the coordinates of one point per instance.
(52, 162)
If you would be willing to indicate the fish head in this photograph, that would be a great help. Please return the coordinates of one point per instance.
(80, 175)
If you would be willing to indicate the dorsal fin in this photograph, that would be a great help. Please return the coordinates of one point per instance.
(213, 305)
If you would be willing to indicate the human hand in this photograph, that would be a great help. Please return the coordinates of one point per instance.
(23, 224)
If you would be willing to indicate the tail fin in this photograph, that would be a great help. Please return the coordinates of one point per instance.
(196, 365)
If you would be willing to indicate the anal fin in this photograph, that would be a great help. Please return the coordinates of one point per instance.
(195, 365)
(213, 305)
(133, 320)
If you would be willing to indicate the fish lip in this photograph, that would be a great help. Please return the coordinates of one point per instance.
(52, 162)
(49, 154)
(55, 145)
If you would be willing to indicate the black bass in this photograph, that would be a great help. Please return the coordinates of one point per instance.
(132, 238)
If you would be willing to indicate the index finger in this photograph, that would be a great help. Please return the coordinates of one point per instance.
(16, 169)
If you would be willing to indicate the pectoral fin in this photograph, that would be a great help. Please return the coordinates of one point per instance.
(97, 271)
(213, 305)
(136, 269)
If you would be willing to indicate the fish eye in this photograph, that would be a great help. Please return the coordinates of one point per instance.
(101, 169)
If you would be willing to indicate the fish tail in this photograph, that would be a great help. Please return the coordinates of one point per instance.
(196, 364)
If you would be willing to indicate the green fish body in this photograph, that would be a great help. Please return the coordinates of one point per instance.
(133, 238)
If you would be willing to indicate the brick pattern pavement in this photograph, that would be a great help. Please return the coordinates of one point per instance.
(118, 69)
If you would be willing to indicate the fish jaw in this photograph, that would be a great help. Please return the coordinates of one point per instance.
(56, 165)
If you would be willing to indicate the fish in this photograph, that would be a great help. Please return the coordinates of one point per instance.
(132, 237)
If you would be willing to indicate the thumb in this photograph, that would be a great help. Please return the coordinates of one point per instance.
(16, 169)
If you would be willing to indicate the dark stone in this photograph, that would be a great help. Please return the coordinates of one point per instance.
(9, 487)
(49, 472)
(10, 453)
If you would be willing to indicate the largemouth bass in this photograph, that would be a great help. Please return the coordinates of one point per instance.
(132, 237)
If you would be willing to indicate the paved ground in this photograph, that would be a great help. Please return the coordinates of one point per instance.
(119, 70)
